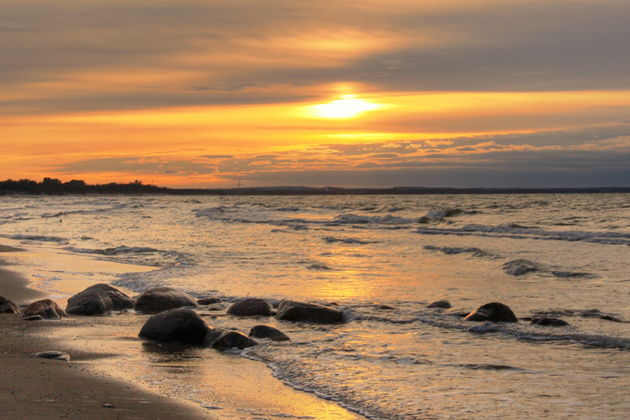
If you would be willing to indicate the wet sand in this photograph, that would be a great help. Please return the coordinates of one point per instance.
(112, 374)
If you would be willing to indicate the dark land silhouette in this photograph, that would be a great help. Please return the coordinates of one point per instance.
(52, 186)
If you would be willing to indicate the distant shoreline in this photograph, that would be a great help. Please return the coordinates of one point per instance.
(55, 187)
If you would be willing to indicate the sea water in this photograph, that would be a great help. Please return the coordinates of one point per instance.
(382, 259)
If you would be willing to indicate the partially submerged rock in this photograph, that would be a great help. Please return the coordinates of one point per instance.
(227, 339)
(442, 304)
(45, 308)
(520, 267)
(8, 307)
(289, 310)
(180, 325)
(250, 307)
(265, 331)
(162, 299)
(54, 355)
(493, 312)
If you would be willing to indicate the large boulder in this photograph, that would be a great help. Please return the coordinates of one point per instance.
(181, 325)
(227, 339)
(44, 308)
(8, 307)
(493, 312)
(250, 307)
(98, 299)
(162, 299)
(265, 331)
(289, 310)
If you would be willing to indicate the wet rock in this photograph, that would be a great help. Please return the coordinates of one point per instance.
(493, 312)
(520, 267)
(308, 312)
(180, 325)
(550, 322)
(8, 307)
(90, 302)
(443, 304)
(208, 300)
(162, 299)
(54, 355)
(227, 339)
(250, 307)
(120, 301)
(45, 308)
(385, 307)
(265, 331)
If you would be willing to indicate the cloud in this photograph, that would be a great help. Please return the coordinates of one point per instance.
(120, 55)
(581, 157)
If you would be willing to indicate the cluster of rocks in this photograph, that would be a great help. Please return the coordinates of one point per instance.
(174, 318)
(495, 312)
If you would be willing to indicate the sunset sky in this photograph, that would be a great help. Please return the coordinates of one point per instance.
(357, 93)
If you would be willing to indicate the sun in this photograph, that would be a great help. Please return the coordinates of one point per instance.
(347, 106)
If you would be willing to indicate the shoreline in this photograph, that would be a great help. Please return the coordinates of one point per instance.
(113, 374)
(40, 388)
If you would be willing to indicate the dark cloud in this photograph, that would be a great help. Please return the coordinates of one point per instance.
(227, 47)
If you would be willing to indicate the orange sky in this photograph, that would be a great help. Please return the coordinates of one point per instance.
(375, 93)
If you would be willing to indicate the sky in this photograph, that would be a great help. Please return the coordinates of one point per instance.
(213, 93)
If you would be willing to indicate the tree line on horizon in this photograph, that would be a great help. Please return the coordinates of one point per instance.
(53, 186)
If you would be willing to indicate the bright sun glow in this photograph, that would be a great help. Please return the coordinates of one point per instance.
(348, 106)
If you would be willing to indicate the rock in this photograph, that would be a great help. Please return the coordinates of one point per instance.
(385, 307)
(8, 307)
(225, 340)
(45, 308)
(265, 331)
(89, 303)
(208, 300)
(250, 307)
(520, 267)
(493, 312)
(550, 322)
(443, 304)
(162, 299)
(98, 299)
(54, 355)
(308, 312)
(120, 301)
(181, 325)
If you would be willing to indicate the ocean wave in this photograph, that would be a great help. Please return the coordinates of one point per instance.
(39, 238)
(475, 252)
(513, 231)
(351, 218)
(138, 255)
(332, 239)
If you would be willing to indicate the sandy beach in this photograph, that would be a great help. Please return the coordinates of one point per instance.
(112, 373)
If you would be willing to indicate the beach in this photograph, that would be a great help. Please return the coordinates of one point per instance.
(380, 260)
(95, 384)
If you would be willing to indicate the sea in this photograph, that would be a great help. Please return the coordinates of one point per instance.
(382, 259)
